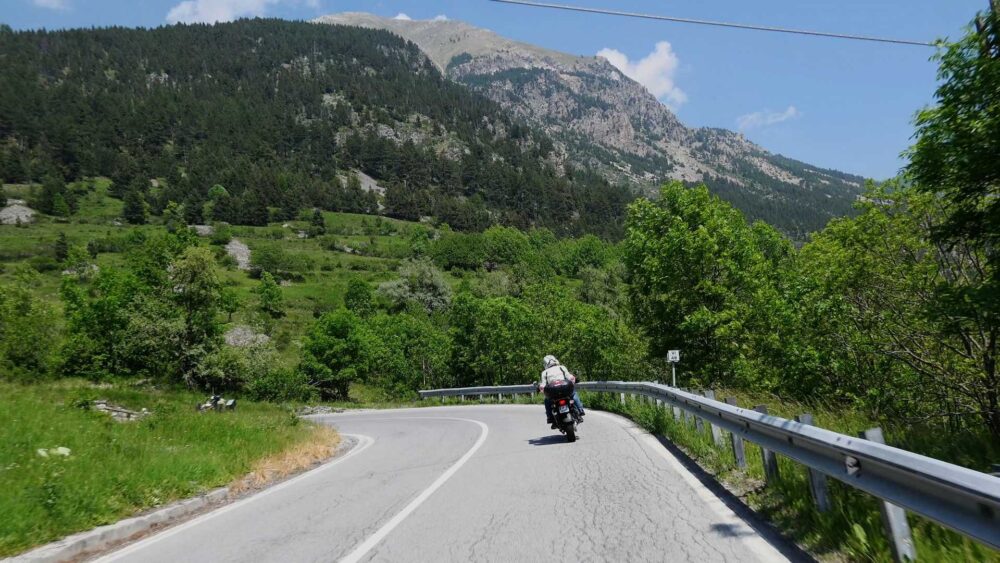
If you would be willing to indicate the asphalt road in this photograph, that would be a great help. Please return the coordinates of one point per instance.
(476, 483)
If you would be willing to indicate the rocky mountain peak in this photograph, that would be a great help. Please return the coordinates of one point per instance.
(604, 120)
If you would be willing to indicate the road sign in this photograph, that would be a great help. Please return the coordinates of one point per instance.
(674, 356)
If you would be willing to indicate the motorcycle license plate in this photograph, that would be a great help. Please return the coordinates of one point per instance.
(564, 408)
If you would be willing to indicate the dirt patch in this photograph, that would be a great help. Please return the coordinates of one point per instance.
(240, 252)
(320, 447)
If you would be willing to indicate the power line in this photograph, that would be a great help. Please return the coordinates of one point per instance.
(714, 23)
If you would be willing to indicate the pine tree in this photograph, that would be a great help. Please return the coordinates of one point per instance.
(59, 206)
(318, 223)
(135, 207)
(61, 247)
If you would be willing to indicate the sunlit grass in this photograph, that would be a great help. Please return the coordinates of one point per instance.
(117, 469)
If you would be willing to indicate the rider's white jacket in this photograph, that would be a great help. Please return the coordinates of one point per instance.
(556, 373)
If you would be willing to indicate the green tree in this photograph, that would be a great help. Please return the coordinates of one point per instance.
(955, 154)
(901, 348)
(269, 298)
(61, 247)
(317, 223)
(134, 210)
(59, 206)
(359, 297)
(229, 302)
(173, 217)
(28, 330)
(700, 281)
(497, 341)
(411, 353)
(195, 287)
(335, 353)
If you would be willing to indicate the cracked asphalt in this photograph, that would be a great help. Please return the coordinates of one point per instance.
(524, 495)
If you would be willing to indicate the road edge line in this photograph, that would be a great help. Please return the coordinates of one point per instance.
(363, 442)
(373, 540)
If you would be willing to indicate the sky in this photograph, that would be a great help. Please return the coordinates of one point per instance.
(833, 103)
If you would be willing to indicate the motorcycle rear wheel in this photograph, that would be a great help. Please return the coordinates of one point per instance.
(571, 434)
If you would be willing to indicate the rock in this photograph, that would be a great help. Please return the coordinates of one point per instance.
(240, 252)
(203, 230)
(302, 234)
(320, 409)
(119, 413)
(16, 212)
(244, 336)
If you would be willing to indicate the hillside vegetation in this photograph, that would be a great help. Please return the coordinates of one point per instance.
(274, 113)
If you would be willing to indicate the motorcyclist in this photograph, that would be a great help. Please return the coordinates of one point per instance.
(554, 371)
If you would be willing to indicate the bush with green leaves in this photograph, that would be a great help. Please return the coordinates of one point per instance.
(28, 330)
(156, 317)
(419, 282)
(410, 352)
(269, 298)
(335, 353)
(703, 280)
(278, 262)
(359, 297)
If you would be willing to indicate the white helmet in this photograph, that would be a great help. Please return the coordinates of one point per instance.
(550, 361)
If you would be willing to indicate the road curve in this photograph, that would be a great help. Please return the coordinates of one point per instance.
(475, 483)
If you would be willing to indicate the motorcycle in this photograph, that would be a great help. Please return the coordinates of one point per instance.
(563, 408)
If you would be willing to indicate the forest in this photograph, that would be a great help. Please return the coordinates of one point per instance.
(273, 112)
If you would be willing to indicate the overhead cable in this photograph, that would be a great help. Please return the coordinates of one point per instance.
(715, 23)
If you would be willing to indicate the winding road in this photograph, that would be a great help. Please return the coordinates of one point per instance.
(473, 483)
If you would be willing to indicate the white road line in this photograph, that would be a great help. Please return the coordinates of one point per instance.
(363, 443)
(760, 547)
(382, 532)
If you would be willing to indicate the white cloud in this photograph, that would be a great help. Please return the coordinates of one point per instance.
(52, 4)
(766, 117)
(211, 11)
(655, 71)
(402, 16)
(440, 18)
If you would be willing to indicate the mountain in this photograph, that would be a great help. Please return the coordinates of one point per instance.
(601, 119)
(280, 115)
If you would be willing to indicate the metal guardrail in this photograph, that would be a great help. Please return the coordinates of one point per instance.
(962, 499)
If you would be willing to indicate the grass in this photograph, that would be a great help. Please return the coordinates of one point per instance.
(114, 469)
(851, 530)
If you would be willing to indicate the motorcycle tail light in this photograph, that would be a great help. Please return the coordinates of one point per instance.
(562, 402)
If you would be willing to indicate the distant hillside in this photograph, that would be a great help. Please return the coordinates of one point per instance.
(275, 112)
(604, 120)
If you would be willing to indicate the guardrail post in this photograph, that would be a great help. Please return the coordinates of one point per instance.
(461, 398)
(770, 460)
(623, 398)
(738, 452)
(894, 517)
(716, 431)
(817, 481)
(677, 413)
(687, 415)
